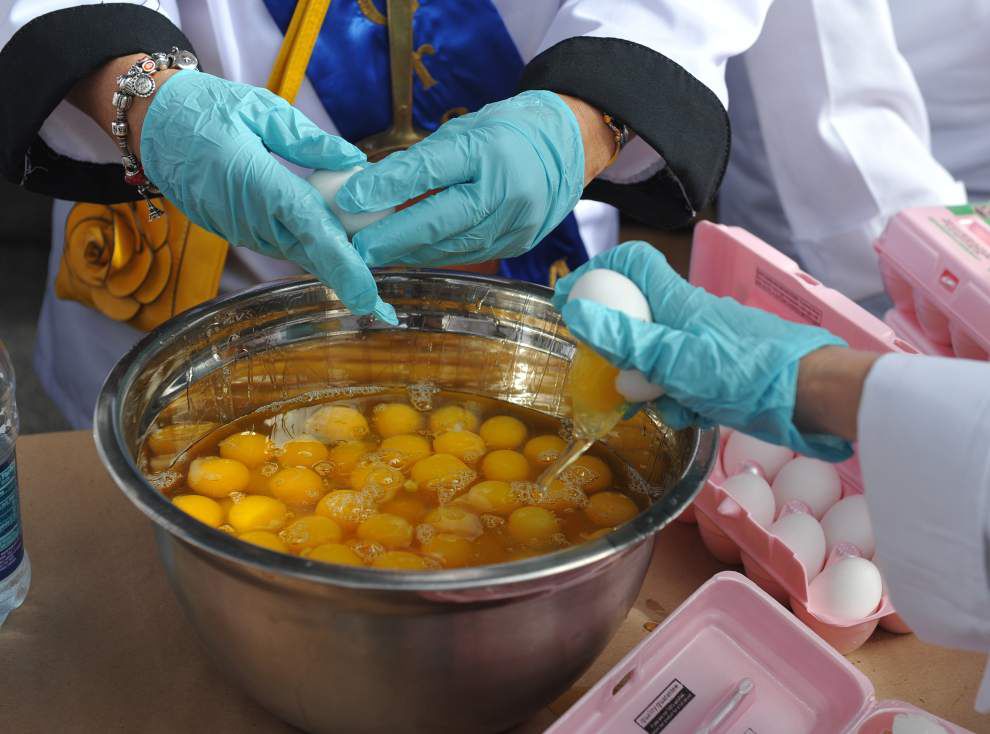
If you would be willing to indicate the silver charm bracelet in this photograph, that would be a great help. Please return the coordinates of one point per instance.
(138, 81)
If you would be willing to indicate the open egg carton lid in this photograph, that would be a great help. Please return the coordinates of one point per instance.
(935, 263)
(730, 658)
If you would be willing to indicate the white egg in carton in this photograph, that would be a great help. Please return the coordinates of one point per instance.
(800, 528)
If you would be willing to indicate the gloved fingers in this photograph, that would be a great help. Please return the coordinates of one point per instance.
(321, 243)
(665, 290)
(676, 416)
(434, 163)
(411, 236)
(289, 133)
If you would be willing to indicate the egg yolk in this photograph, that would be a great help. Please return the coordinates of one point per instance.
(177, 437)
(393, 419)
(544, 450)
(503, 432)
(465, 445)
(400, 560)
(343, 459)
(455, 520)
(250, 448)
(453, 551)
(204, 509)
(589, 473)
(493, 496)
(560, 496)
(334, 553)
(442, 470)
(406, 449)
(390, 531)
(489, 549)
(608, 509)
(297, 485)
(452, 418)
(505, 465)
(310, 531)
(256, 512)
(407, 506)
(533, 526)
(302, 452)
(265, 539)
(380, 480)
(338, 423)
(216, 477)
(258, 479)
(345, 507)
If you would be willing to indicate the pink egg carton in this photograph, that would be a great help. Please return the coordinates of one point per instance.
(729, 261)
(730, 659)
(935, 264)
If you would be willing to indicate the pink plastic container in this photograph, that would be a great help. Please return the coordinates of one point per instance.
(682, 676)
(729, 261)
(935, 264)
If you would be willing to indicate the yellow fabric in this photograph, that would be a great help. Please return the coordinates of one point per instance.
(297, 48)
(144, 272)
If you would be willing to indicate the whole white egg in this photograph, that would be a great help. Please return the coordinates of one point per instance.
(614, 290)
(804, 536)
(848, 589)
(328, 183)
(753, 494)
(848, 521)
(741, 449)
(814, 482)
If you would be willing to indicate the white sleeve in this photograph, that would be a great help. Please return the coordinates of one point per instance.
(699, 36)
(845, 131)
(67, 130)
(924, 432)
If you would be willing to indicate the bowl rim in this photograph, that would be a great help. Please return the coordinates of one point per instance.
(130, 480)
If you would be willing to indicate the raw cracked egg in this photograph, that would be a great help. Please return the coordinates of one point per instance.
(328, 183)
(741, 450)
(848, 589)
(614, 290)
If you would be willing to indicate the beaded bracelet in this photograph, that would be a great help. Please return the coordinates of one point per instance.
(138, 81)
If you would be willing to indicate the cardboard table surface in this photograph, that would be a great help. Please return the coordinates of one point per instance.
(101, 644)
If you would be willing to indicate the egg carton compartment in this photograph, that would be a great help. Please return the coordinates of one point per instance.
(729, 261)
(935, 264)
(772, 674)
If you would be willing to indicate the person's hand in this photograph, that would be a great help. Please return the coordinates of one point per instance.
(509, 173)
(717, 360)
(207, 144)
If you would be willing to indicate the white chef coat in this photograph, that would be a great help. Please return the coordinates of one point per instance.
(847, 111)
(924, 423)
(238, 40)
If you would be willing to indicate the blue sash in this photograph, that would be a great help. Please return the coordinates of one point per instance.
(463, 59)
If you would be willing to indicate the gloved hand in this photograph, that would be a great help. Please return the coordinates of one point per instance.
(510, 173)
(205, 144)
(718, 361)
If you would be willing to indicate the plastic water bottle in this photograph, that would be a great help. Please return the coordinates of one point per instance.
(15, 568)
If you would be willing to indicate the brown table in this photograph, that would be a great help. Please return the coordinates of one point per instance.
(102, 646)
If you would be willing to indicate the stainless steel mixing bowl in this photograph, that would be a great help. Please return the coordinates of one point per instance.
(341, 649)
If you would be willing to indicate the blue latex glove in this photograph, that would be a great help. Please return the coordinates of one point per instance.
(717, 360)
(511, 172)
(207, 144)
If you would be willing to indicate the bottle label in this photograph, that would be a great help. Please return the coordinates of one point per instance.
(11, 542)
